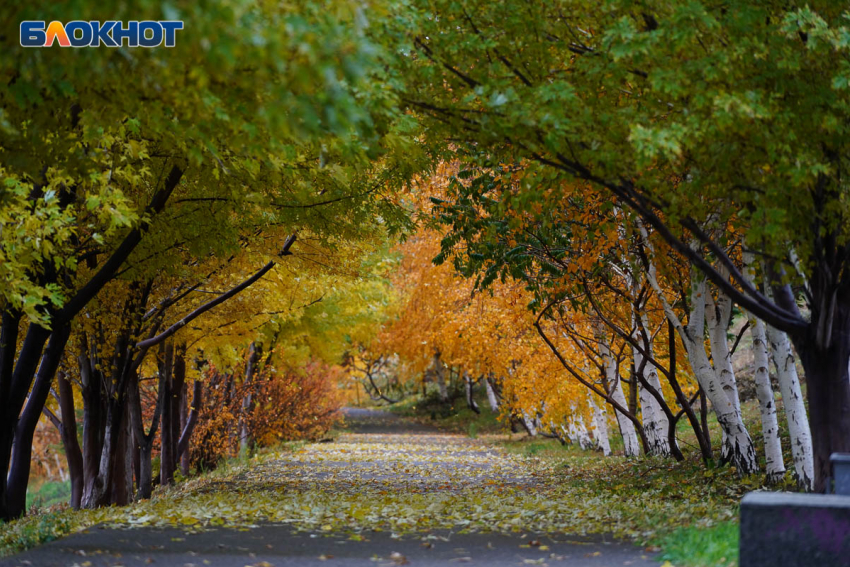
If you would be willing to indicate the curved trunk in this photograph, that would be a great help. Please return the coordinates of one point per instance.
(656, 425)
(717, 319)
(631, 445)
(795, 408)
(73, 453)
(491, 394)
(739, 449)
(19, 470)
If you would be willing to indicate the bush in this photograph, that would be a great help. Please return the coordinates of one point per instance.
(301, 404)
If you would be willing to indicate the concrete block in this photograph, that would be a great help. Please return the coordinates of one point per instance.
(784, 529)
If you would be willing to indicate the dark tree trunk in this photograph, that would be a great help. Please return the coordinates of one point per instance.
(121, 489)
(633, 390)
(703, 414)
(144, 441)
(828, 392)
(73, 453)
(167, 449)
(16, 385)
(19, 471)
(182, 458)
(189, 427)
(94, 411)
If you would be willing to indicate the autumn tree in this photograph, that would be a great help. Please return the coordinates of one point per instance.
(667, 109)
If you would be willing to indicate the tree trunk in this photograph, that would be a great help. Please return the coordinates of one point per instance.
(491, 394)
(717, 318)
(166, 458)
(14, 386)
(631, 445)
(576, 431)
(795, 409)
(528, 423)
(19, 471)
(470, 397)
(656, 425)
(178, 395)
(189, 428)
(739, 446)
(703, 418)
(440, 377)
(121, 487)
(774, 465)
(828, 388)
(599, 426)
(247, 403)
(73, 453)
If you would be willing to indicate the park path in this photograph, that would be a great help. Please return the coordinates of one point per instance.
(379, 455)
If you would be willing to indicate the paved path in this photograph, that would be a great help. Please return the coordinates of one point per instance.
(381, 454)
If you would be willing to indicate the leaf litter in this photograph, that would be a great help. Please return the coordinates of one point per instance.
(416, 483)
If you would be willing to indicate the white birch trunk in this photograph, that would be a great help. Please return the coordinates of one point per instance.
(795, 410)
(655, 422)
(631, 445)
(529, 424)
(653, 418)
(738, 445)
(774, 464)
(599, 427)
(491, 395)
(742, 454)
(717, 321)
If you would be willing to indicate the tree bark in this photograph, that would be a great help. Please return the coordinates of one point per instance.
(167, 450)
(828, 388)
(491, 394)
(599, 426)
(440, 377)
(774, 465)
(656, 424)
(189, 428)
(247, 404)
(795, 409)
(73, 453)
(470, 398)
(631, 445)
(19, 470)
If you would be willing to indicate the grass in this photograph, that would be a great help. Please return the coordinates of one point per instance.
(49, 494)
(702, 547)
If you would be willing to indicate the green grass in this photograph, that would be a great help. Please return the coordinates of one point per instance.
(49, 494)
(702, 547)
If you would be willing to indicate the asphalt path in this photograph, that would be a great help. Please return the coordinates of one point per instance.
(271, 545)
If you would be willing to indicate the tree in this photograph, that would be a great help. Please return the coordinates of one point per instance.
(683, 113)
(215, 135)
